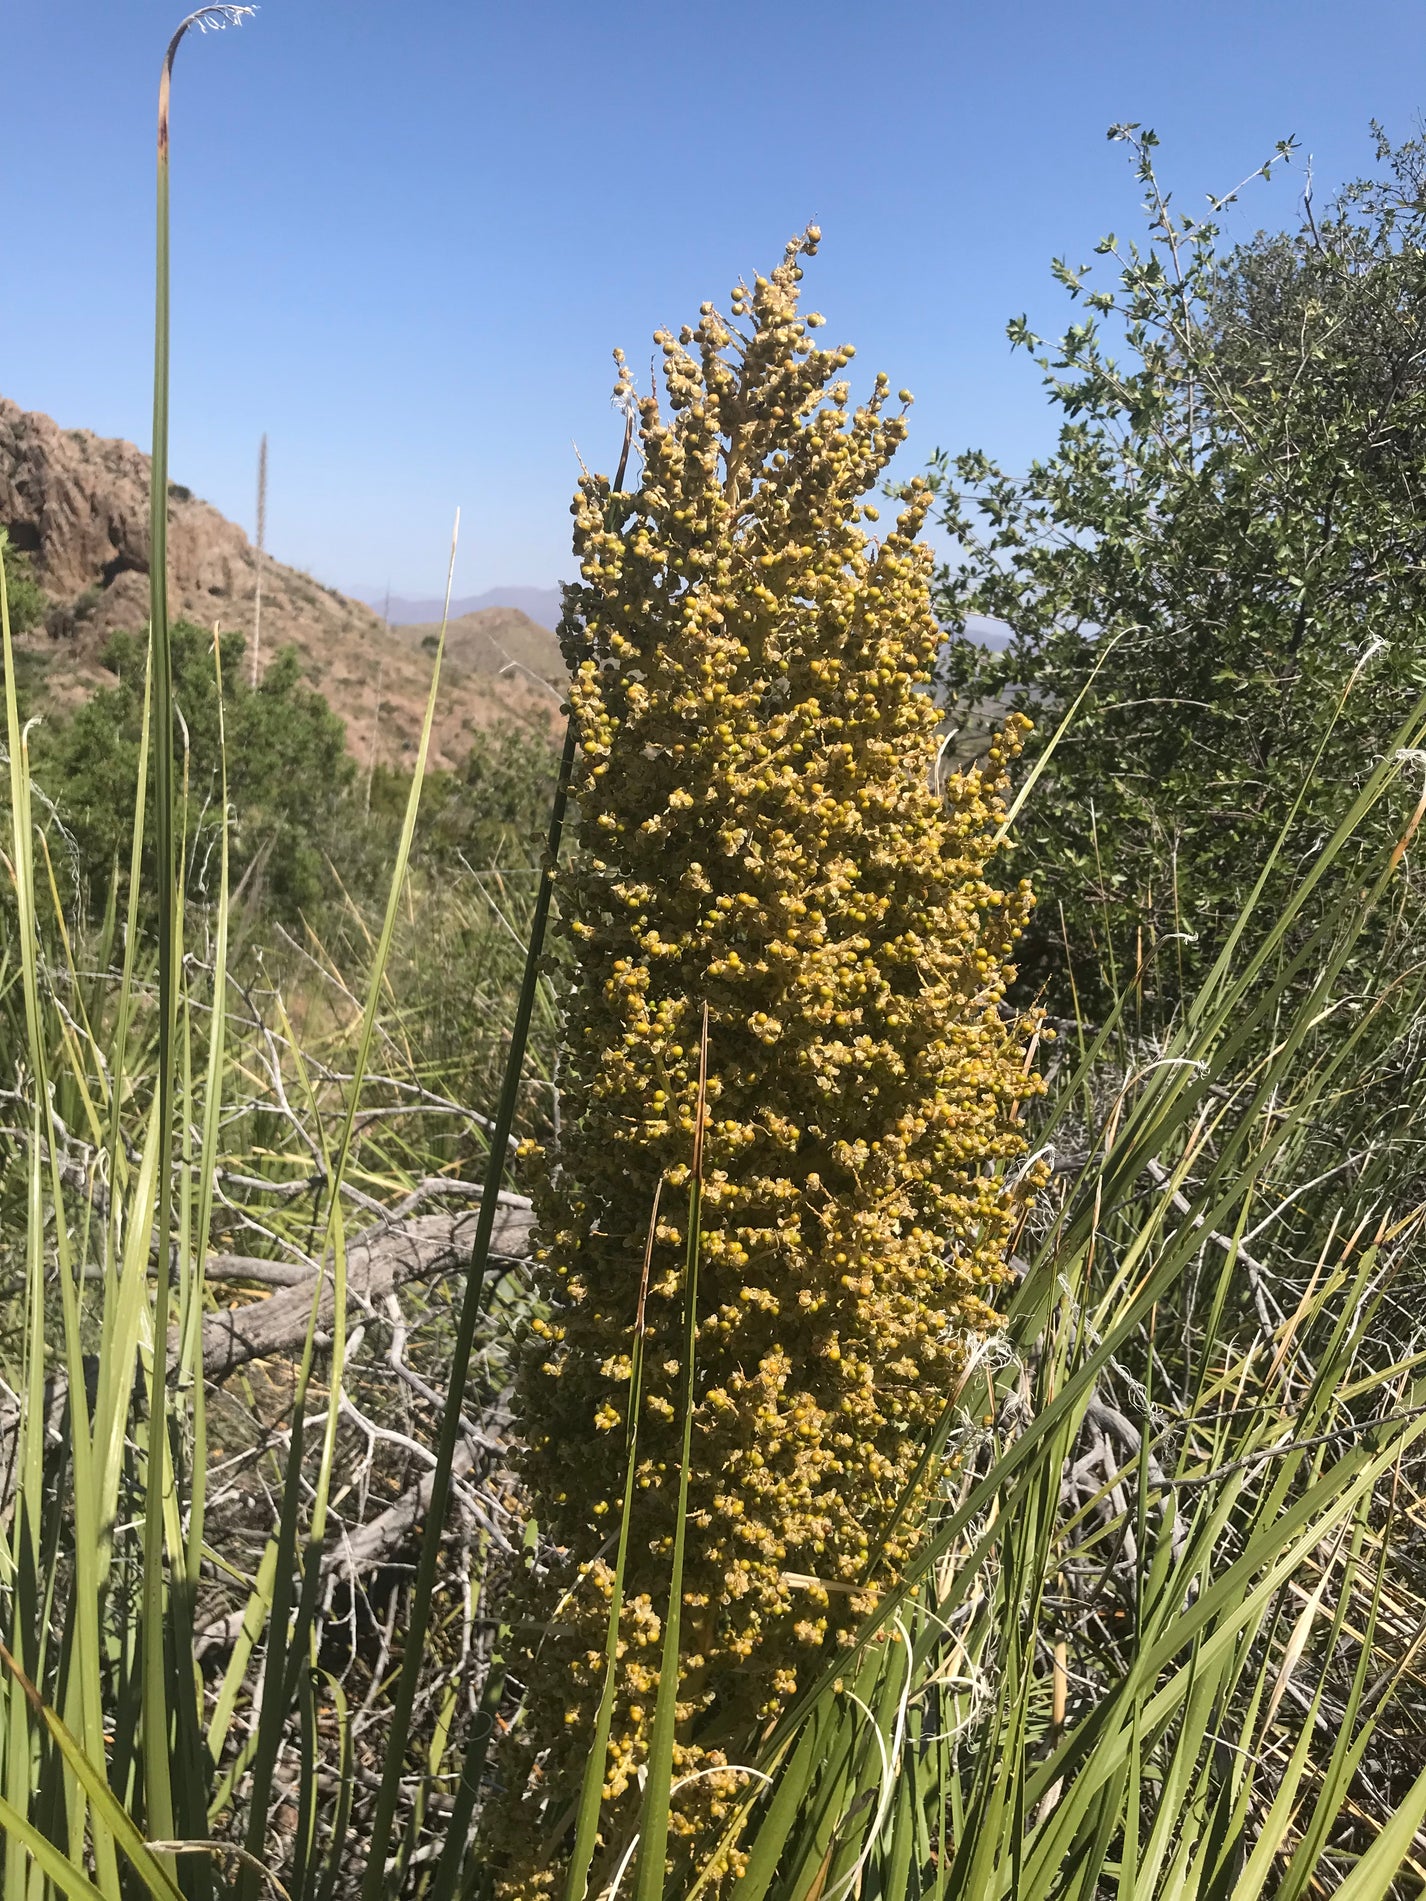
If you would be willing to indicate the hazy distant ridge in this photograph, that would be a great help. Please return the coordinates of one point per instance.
(542, 604)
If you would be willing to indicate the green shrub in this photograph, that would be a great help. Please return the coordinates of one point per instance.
(28, 601)
(1222, 554)
(491, 812)
(289, 774)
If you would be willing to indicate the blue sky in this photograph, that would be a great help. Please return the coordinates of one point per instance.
(408, 233)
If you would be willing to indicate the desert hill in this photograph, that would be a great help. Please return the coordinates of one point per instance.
(77, 505)
(493, 642)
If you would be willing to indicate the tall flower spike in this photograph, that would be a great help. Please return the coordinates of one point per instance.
(759, 833)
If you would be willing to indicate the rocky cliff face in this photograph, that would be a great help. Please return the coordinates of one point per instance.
(77, 505)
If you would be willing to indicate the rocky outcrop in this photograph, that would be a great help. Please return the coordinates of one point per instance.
(77, 505)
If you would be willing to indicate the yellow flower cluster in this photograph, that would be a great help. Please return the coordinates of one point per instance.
(759, 833)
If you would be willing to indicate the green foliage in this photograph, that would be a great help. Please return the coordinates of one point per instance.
(288, 772)
(1226, 540)
(28, 601)
(490, 812)
(307, 832)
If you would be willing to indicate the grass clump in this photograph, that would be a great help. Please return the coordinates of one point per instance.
(763, 840)
(840, 1582)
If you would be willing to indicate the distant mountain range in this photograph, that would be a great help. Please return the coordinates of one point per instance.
(988, 633)
(77, 505)
(541, 604)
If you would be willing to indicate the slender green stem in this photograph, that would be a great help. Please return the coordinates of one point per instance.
(157, 1784)
(586, 1831)
(653, 1823)
(158, 1788)
(374, 1879)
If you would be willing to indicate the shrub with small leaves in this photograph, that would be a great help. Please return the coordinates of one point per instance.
(761, 834)
(1219, 565)
(26, 599)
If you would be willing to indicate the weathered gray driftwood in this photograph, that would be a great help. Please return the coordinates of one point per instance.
(379, 1260)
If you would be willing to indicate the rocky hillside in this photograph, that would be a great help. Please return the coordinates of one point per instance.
(77, 505)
